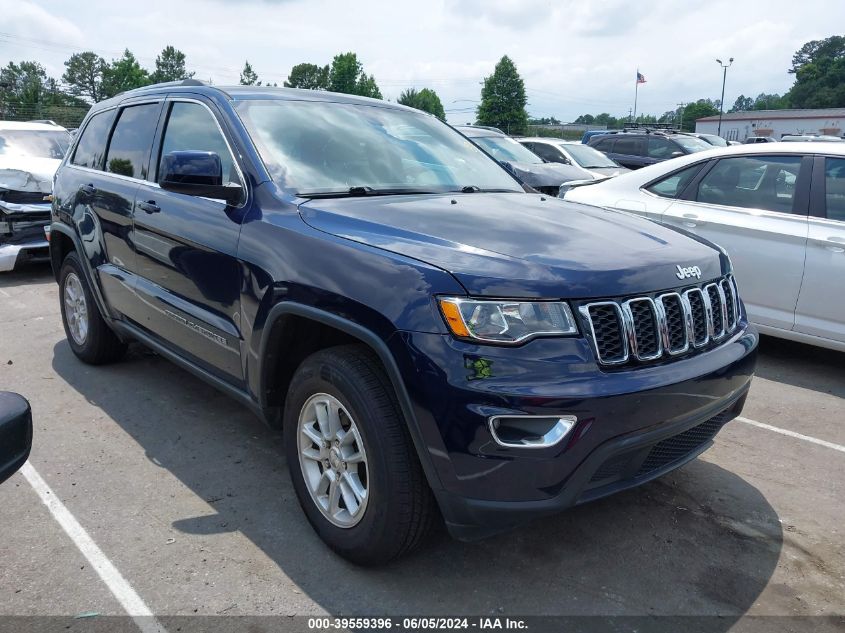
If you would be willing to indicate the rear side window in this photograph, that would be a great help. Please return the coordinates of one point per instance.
(753, 182)
(627, 146)
(604, 144)
(547, 152)
(660, 148)
(129, 149)
(92, 144)
(834, 180)
(673, 185)
(191, 126)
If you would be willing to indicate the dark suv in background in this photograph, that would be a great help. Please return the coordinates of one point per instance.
(433, 340)
(638, 149)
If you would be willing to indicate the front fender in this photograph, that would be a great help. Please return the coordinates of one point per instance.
(88, 263)
(377, 345)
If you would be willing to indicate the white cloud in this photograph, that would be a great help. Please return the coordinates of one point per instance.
(575, 56)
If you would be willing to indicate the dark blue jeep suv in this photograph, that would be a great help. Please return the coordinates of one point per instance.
(433, 340)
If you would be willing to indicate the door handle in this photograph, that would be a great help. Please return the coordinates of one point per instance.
(149, 206)
(691, 220)
(834, 244)
(87, 190)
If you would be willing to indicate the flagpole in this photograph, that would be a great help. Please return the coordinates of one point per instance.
(636, 93)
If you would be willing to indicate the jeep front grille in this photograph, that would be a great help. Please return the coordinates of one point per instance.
(648, 328)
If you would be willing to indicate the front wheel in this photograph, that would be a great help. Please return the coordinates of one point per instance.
(89, 336)
(353, 466)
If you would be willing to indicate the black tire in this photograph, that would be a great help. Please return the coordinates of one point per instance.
(400, 507)
(100, 345)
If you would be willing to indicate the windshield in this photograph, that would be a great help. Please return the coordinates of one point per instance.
(506, 149)
(587, 157)
(36, 143)
(718, 141)
(692, 144)
(319, 147)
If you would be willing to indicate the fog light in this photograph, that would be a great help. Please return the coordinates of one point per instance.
(530, 431)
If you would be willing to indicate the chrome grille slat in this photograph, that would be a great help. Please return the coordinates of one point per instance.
(677, 321)
(730, 301)
(700, 320)
(602, 343)
(648, 328)
(644, 328)
(716, 300)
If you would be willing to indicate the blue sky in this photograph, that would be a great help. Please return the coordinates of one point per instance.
(575, 56)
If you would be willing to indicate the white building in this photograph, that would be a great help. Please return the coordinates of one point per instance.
(737, 126)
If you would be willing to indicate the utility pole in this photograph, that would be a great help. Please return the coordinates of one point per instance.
(681, 107)
(722, 100)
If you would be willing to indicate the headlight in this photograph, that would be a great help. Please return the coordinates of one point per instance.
(506, 321)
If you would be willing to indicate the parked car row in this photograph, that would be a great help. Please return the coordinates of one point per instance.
(779, 211)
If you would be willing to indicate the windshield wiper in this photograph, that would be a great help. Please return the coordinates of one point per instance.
(364, 191)
(477, 189)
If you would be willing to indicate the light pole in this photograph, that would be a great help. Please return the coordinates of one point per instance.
(722, 100)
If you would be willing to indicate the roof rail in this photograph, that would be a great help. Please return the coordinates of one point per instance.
(161, 84)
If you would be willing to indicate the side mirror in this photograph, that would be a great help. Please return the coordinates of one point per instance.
(15, 433)
(675, 154)
(197, 173)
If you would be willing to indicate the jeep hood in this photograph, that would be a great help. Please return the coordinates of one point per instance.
(26, 173)
(521, 245)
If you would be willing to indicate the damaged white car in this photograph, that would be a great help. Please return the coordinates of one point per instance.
(30, 153)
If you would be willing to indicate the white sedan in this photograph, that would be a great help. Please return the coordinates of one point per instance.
(778, 209)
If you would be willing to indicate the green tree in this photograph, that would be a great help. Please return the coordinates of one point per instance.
(772, 101)
(23, 84)
(347, 75)
(819, 69)
(503, 99)
(26, 92)
(697, 110)
(309, 77)
(84, 73)
(124, 73)
(248, 76)
(170, 66)
(425, 100)
(742, 104)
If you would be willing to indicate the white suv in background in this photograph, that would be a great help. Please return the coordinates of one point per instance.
(778, 209)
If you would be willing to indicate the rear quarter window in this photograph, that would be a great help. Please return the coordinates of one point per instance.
(91, 147)
(674, 184)
(132, 140)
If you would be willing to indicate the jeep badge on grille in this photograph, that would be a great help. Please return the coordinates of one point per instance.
(689, 271)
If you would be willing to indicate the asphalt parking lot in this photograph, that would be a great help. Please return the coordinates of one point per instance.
(186, 493)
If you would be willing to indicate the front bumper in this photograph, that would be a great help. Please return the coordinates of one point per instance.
(34, 251)
(22, 233)
(633, 425)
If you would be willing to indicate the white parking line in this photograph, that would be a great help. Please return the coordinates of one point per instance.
(806, 438)
(117, 584)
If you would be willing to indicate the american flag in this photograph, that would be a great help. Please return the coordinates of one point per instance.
(640, 78)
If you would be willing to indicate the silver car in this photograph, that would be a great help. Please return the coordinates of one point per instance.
(778, 209)
(595, 164)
